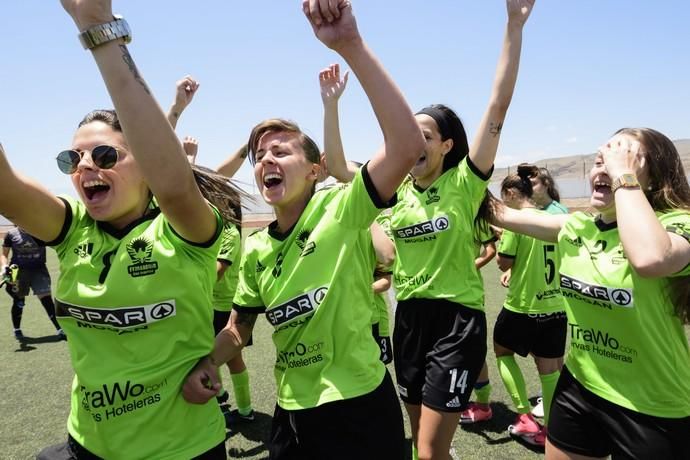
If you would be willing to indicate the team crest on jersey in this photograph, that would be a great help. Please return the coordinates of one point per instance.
(140, 250)
(84, 250)
(432, 195)
(304, 244)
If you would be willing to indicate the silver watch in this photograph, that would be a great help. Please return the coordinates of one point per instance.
(103, 33)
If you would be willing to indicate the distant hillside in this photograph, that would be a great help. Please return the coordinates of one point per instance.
(578, 166)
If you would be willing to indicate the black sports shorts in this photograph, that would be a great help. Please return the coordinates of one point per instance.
(439, 348)
(542, 334)
(586, 424)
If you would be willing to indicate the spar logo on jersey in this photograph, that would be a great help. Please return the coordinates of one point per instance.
(140, 250)
(424, 230)
(432, 195)
(298, 307)
(600, 296)
(118, 318)
(84, 250)
(304, 244)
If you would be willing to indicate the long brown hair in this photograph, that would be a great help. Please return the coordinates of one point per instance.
(668, 190)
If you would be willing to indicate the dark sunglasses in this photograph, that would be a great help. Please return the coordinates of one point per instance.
(103, 156)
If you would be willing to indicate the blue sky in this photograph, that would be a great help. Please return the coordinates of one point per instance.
(588, 68)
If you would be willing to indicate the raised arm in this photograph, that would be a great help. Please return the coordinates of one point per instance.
(185, 89)
(149, 135)
(232, 164)
(27, 204)
(485, 143)
(335, 26)
(332, 87)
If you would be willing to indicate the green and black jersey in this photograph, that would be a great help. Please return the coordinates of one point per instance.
(229, 254)
(534, 284)
(626, 343)
(314, 284)
(136, 306)
(434, 238)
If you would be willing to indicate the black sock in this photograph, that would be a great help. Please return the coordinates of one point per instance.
(49, 307)
(17, 310)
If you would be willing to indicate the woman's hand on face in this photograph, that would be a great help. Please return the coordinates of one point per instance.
(89, 13)
(622, 155)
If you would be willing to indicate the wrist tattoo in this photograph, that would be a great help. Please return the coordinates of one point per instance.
(495, 128)
(133, 68)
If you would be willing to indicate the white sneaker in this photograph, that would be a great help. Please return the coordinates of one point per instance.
(538, 410)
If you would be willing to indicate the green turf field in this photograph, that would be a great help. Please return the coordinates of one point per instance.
(36, 379)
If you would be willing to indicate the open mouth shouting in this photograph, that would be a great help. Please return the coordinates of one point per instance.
(272, 179)
(95, 190)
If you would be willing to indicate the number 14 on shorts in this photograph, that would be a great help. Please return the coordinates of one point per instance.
(456, 382)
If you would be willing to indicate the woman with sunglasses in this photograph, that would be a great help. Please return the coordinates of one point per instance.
(310, 272)
(137, 265)
(625, 388)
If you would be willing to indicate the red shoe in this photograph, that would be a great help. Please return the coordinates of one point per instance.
(538, 439)
(525, 426)
(475, 413)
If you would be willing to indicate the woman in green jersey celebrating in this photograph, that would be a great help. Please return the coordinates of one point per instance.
(625, 387)
(310, 272)
(136, 255)
(532, 320)
(439, 340)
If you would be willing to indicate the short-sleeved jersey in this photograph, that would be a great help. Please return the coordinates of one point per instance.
(26, 252)
(434, 237)
(626, 343)
(314, 283)
(534, 283)
(229, 254)
(136, 306)
(556, 208)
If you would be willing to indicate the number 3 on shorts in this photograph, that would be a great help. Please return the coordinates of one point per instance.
(456, 382)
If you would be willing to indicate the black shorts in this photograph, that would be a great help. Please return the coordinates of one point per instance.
(439, 348)
(543, 335)
(365, 427)
(72, 450)
(586, 424)
(220, 320)
(384, 343)
(38, 279)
